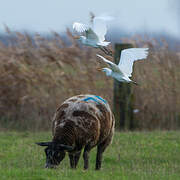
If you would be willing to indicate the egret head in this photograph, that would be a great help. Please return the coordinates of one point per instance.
(82, 39)
(107, 71)
(55, 153)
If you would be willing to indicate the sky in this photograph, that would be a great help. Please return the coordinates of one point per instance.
(57, 15)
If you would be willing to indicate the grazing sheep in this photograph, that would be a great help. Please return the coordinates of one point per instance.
(82, 121)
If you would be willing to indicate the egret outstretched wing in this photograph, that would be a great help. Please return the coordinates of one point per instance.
(99, 27)
(79, 27)
(83, 28)
(113, 66)
(128, 56)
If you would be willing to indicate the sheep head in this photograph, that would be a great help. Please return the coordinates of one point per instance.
(55, 153)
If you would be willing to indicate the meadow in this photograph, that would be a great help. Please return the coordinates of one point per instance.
(132, 155)
(38, 73)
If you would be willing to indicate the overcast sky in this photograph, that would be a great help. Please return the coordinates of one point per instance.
(131, 15)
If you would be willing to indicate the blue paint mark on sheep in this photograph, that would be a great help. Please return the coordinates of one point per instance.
(91, 98)
(96, 99)
(101, 99)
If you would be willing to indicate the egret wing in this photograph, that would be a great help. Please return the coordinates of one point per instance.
(79, 27)
(128, 56)
(91, 35)
(113, 66)
(99, 27)
(82, 28)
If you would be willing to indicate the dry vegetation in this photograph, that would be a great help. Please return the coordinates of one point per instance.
(158, 97)
(37, 74)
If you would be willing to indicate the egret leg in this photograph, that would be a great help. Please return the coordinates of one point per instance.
(102, 49)
(108, 51)
(134, 82)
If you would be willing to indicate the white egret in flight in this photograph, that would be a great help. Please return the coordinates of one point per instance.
(94, 35)
(123, 70)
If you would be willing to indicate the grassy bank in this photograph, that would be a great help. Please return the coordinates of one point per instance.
(132, 155)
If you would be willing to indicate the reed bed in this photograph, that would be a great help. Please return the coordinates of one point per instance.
(38, 74)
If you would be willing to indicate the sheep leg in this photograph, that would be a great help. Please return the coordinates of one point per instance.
(100, 149)
(72, 160)
(86, 156)
(76, 158)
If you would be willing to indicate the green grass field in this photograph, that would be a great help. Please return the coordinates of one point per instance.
(132, 155)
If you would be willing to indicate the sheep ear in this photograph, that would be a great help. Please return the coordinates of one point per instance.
(44, 143)
(64, 147)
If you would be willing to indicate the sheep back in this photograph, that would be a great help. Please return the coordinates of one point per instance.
(82, 120)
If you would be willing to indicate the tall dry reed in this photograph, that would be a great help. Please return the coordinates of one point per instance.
(38, 73)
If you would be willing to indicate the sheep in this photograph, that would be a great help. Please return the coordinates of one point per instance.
(82, 121)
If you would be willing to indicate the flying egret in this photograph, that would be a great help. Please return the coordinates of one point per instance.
(94, 35)
(123, 70)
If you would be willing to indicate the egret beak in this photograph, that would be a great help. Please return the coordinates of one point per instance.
(76, 37)
(99, 69)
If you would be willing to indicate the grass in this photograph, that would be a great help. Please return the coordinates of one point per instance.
(132, 155)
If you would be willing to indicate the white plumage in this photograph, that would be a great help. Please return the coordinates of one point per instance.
(93, 35)
(124, 69)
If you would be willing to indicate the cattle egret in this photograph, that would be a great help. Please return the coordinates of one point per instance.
(94, 35)
(123, 70)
